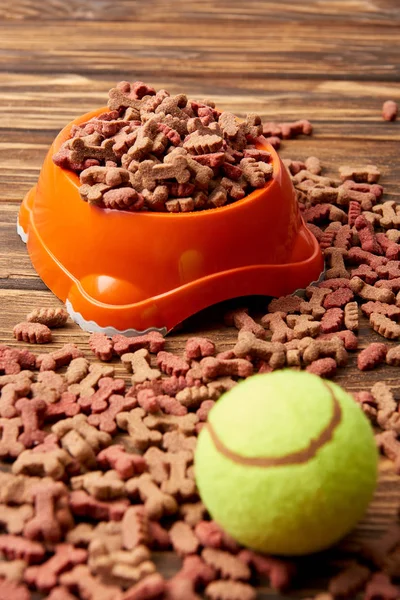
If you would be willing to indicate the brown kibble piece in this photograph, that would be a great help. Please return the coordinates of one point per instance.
(228, 565)
(389, 445)
(140, 435)
(351, 316)
(338, 269)
(183, 539)
(139, 364)
(86, 387)
(276, 323)
(52, 317)
(13, 518)
(80, 439)
(316, 349)
(288, 304)
(32, 413)
(89, 587)
(156, 502)
(279, 571)
(32, 333)
(249, 345)
(367, 173)
(241, 320)
(102, 486)
(393, 356)
(9, 444)
(77, 370)
(135, 527)
(230, 590)
(303, 325)
(316, 298)
(234, 367)
(384, 326)
(369, 292)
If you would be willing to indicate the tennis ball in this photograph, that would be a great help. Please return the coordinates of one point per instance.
(287, 463)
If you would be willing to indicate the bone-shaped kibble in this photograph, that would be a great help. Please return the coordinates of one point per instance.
(32, 412)
(186, 423)
(127, 465)
(369, 292)
(277, 324)
(102, 486)
(303, 325)
(10, 393)
(135, 527)
(241, 320)
(105, 420)
(45, 576)
(47, 524)
(16, 547)
(384, 326)
(316, 349)
(338, 269)
(140, 435)
(216, 367)
(347, 194)
(98, 402)
(389, 214)
(169, 469)
(153, 342)
(367, 173)
(80, 439)
(366, 235)
(9, 444)
(314, 305)
(183, 539)
(58, 358)
(89, 587)
(52, 464)
(139, 364)
(86, 387)
(249, 345)
(13, 518)
(81, 150)
(156, 502)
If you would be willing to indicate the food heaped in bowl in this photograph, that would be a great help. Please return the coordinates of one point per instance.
(149, 217)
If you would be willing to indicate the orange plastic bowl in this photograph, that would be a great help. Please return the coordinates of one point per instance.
(132, 272)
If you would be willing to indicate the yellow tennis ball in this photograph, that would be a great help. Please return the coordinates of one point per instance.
(287, 463)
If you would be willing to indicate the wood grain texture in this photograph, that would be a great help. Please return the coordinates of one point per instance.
(332, 61)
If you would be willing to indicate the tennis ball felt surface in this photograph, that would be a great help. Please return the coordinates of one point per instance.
(315, 461)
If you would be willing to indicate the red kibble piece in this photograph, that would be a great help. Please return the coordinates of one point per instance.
(280, 572)
(12, 589)
(58, 358)
(105, 420)
(126, 465)
(390, 110)
(348, 338)
(101, 346)
(372, 356)
(332, 320)
(15, 547)
(367, 236)
(98, 401)
(338, 298)
(380, 587)
(323, 367)
(334, 284)
(67, 406)
(45, 576)
(84, 505)
(32, 333)
(389, 310)
(171, 364)
(198, 347)
(354, 212)
(365, 273)
(154, 342)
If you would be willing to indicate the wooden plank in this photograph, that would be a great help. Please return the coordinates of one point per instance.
(259, 48)
(378, 12)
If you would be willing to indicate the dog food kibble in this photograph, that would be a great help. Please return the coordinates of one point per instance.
(102, 470)
(168, 153)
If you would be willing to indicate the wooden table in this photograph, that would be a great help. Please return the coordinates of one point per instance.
(333, 62)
